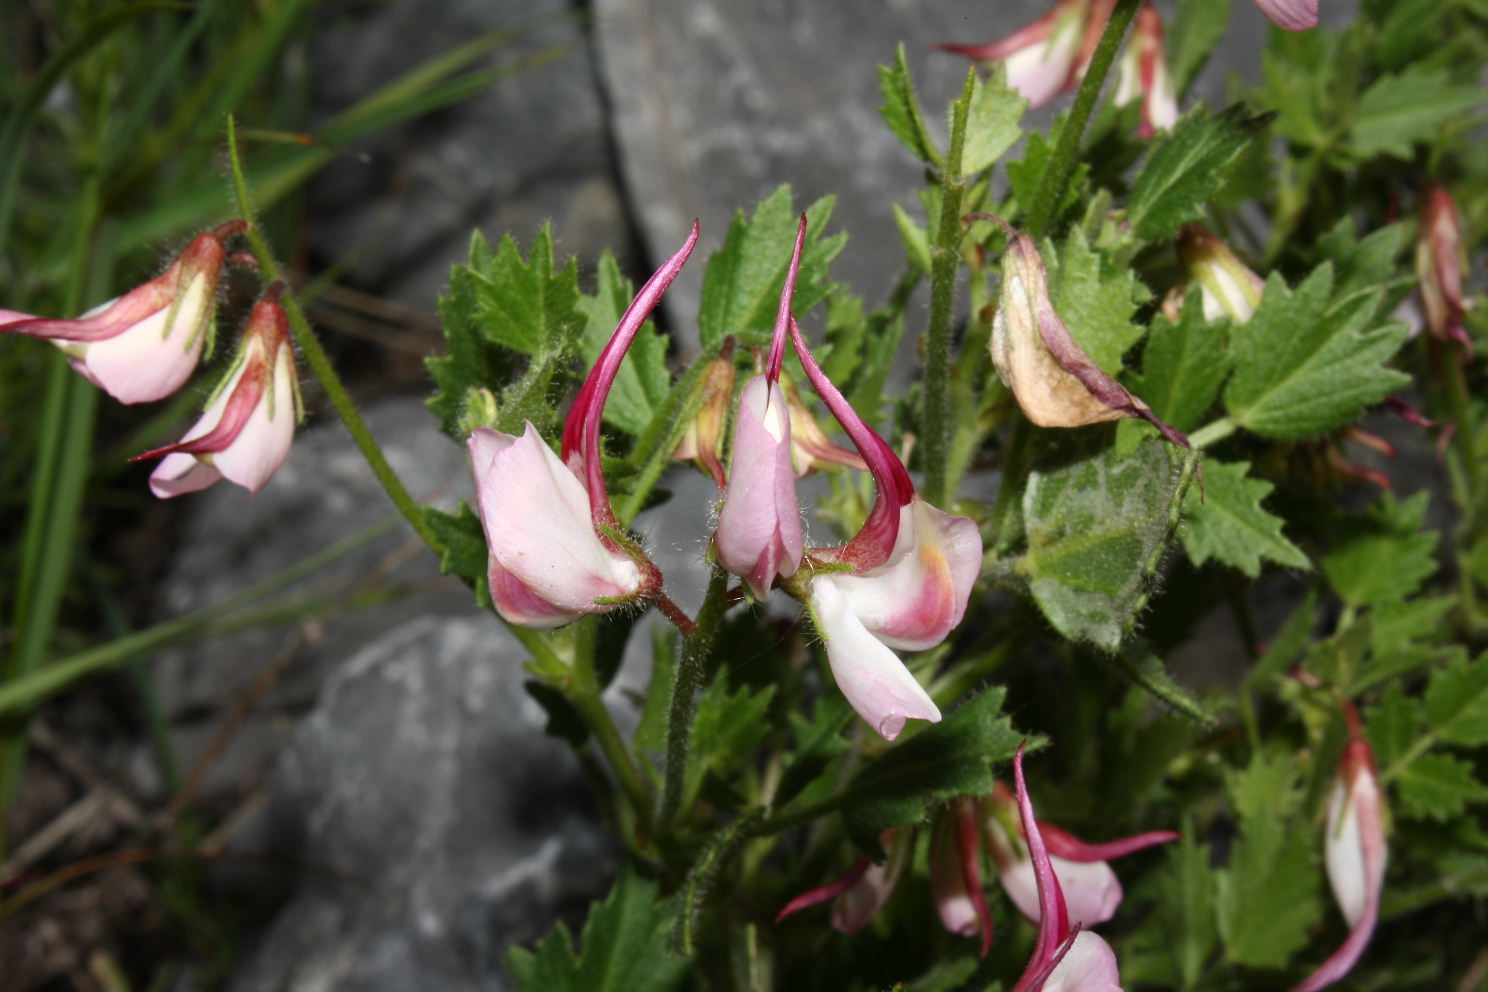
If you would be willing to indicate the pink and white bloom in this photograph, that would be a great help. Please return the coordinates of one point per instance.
(1143, 75)
(1441, 259)
(245, 432)
(549, 560)
(1227, 287)
(863, 890)
(1354, 852)
(1293, 15)
(1062, 960)
(759, 532)
(1045, 57)
(1091, 889)
(912, 570)
(144, 345)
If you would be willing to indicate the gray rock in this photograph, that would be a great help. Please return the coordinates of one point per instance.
(436, 822)
(325, 493)
(530, 148)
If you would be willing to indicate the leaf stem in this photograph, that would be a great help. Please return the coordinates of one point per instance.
(1212, 433)
(319, 364)
(1062, 161)
(587, 700)
(945, 260)
(686, 682)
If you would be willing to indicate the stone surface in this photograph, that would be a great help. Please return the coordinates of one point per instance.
(435, 821)
(325, 493)
(532, 147)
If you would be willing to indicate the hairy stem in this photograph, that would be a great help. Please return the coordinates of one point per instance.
(320, 365)
(1062, 161)
(685, 685)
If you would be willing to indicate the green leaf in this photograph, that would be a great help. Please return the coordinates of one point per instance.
(1096, 529)
(1266, 788)
(901, 109)
(916, 239)
(1197, 27)
(1184, 919)
(817, 742)
(1183, 365)
(1397, 626)
(1457, 702)
(1392, 725)
(1385, 556)
(727, 728)
(643, 382)
(623, 947)
(1399, 111)
(1438, 787)
(464, 545)
(1363, 263)
(1024, 175)
(951, 758)
(1096, 299)
(1288, 644)
(993, 123)
(1146, 670)
(1226, 522)
(741, 287)
(500, 307)
(1268, 894)
(1303, 367)
(1186, 169)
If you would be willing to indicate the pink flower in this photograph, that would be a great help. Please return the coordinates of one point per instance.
(956, 872)
(862, 892)
(1062, 960)
(1044, 57)
(759, 526)
(1227, 288)
(1293, 15)
(1441, 258)
(246, 430)
(1143, 75)
(1091, 889)
(1355, 853)
(912, 570)
(143, 345)
(549, 560)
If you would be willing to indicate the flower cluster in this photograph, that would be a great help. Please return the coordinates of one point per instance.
(556, 550)
(144, 345)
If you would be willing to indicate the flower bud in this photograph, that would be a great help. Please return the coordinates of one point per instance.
(144, 345)
(1292, 15)
(862, 892)
(759, 532)
(1042, 58)
(1354, 852)
(810, 448)
(1055, 383)
(956, 872)
(1441, 258)
(704, 434)
(1143, 75)
(246, 430)
(1227, 288)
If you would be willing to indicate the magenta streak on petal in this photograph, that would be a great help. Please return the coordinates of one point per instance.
(828, 892)
(1053, 917)
(240, 406)
(1063, 844)
(581, 431)
(1029, 34)
(783, 314)
(873, 544)
(118, 317)
(1363, 795)
(969, 847)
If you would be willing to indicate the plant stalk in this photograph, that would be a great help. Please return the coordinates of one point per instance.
(686, 682)
(1062, 161)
